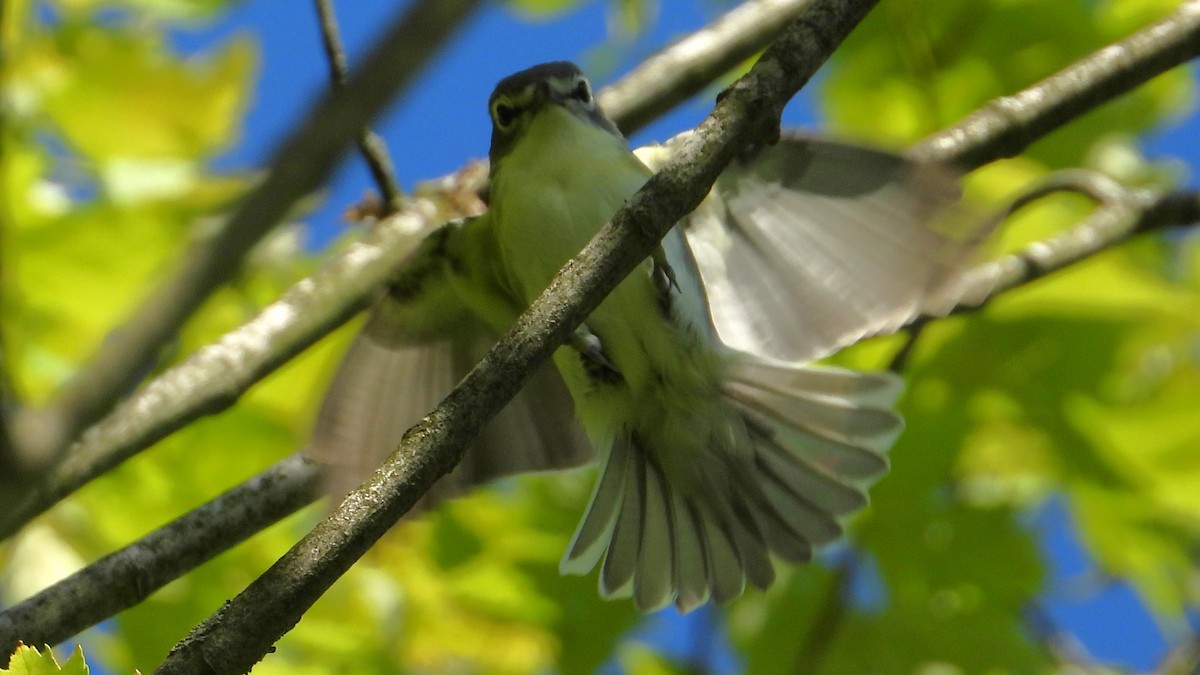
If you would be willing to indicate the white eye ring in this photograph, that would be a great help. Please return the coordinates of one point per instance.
(504, 115)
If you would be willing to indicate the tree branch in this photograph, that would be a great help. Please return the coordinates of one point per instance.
(682, 70)
(212, 378)
(370, 145)
(297, 168)
(101, 450)
(265, 495)
(1122, 213)
(1007, 125)
(123, 579)
(1178, 208)
(1125, 213)
(239, 634)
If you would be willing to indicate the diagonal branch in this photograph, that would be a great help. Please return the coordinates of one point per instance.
(1122, 213)
(297, 168)
(212, 378)
(372, 148)
(239, 634)
(1007, 125)
(146, 419)
(124, 578)
(682, 70)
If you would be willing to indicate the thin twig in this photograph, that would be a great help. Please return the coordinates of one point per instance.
(1007, 125)
(1106, 192)
(126, 577)
(1140, 210)
(682, 70)
(297, 168)
(1132, 212)
(240, 633)
(372, 148)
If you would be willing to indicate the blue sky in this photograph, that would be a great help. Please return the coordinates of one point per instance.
(442, 123)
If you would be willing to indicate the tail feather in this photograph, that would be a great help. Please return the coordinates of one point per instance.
(879, 390)
(654, 582)
(620, 563)
(690, 556)
(781, 522)
(725, 575)
(821, 416)
(753, 547)
(808, 442)
(594, 532)
(814, 525)
(820, 489)
(849, 462)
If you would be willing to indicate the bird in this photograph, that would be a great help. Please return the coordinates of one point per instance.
(722, 447)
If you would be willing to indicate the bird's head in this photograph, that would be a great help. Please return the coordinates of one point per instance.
(519, 98)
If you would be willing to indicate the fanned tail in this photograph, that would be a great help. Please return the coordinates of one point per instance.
(812, 440)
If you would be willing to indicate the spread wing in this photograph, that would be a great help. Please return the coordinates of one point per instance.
(809, 245)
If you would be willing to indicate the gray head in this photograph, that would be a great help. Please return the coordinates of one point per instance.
(518, 97)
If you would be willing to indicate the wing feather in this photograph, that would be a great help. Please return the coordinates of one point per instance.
(808, 245)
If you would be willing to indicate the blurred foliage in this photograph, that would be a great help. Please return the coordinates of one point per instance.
(627, 16)
(1081, 386)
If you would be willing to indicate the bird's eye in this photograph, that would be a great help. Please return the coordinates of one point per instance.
(504, 115)
(582, 92)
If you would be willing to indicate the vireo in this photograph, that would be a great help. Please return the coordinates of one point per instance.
(719, 445)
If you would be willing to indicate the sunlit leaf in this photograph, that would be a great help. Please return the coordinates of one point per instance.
(115, 95)
(30, 661)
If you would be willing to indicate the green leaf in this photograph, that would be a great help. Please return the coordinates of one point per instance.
(29, 661)
(118, 95)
